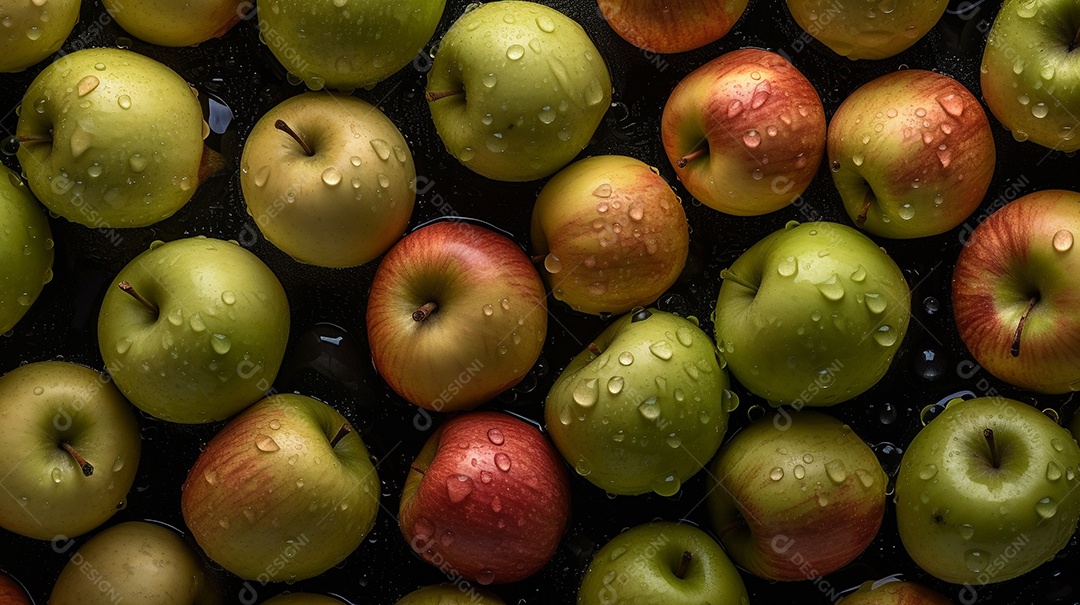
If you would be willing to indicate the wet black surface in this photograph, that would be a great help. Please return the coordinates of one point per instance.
(328, 358)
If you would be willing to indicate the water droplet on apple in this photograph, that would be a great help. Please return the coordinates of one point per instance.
(906, 212)
(1063, 240)
(885, 336)
(661, 349)
(615, 384)
(503, 462)
(892, 113)
(776, 474)
(667, 486)
(300, 483)
(220, 343)
(266, 443)
(626, 358)
(1027, 9)
(565, 415)
(57, 475)
(423, 530)
(87, 85)
(331, 176)
(836, 470)
(123, 345)
(729, 400)
(1053, 471)
(382, 149)
(832, 289)
(505, 304)
(485, 577)
(752, 139)
(224, 522)
(458, 487)
(787, 266)
(1046, 507)
(928, 472)
(545, 24)
(685, 336)
(799, 471)
(196, 322)
(1040, 110)
(485, 477)
(649, 409)
(865, 478)
(552, 264)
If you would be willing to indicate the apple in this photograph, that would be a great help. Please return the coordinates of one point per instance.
(110, 138)
(329, 179)
(612, 234)
(194, 330)
(1015, 291)
(488, 496)
(662, 562)
(34, 30)
(867, 29)
(346, 44)
(169, 23)
(912, 154)
(811, 314)
(460, 306)
(643, 407)
(987, 491)
(287, 486)
(517, 90)
(1027, 72)
(890, 591)
(449, 594)
(69, 451)
(796, 496)
(663, 26)
(26, 250)
(745, 132)
(134, 562)
(302, 598)
(11, 592)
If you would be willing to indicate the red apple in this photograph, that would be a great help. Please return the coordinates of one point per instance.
(457, 314)
(671, 26)
(11, 592)
(890, 591)
(1016, 291)
(488, 496)
(745, 132)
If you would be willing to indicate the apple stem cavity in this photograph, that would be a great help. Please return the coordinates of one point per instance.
(33, 138)
(995, 459)
(425, 311)
(341, 432)
(729, 275)
(87, 468)
(283, 127)
(702, 149)
(1076, 41)
(1015, 350)
(684, 564)
(128, 288)
(442, 94)
(868, 200)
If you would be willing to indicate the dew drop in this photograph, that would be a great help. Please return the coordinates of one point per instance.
(57, 475)
(1053, 471)
(832, 288)
(836, 471)
(615, 384)
(928, 472)
(667, 486)
(220, 343)
(458, 487)
(331, 176)
(752, 139)
(799, 471)
(266, 443)
(661, 349)
(1046, 507)
(975, 560)
(87, 85)
(496, 437)
(586, 392)
(1063, 240)
(382, 149)
(502, 461)
(885, 336)
(626, 358)
(649, 409)
(124, 102)
(123, 345)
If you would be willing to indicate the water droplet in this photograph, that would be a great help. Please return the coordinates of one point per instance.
(266, 443)
(197, 323)
(667, 486)
(836, 471)
(615, 384)
(545, 24)
(661, 349)
(752, 139)
(1027, 9)
(1040, 110)
(975, 560)
(799, 471)
(220, 343)
(1046, 507)
(906, 212)
(928, 472)
(382, 149)
(649, 409)
(1056, 444)
(626, 358)
(123, 345)
(57, 475)
(331, 176)
(423, 529)
(502, 461)
(496, 437)
(865, 478)
(1053, 471)
(885, 336)
(124, 102)
(87, 85)
(485, 577)
(832, 288)
(776, 474)
(176, 316)
(685, 336)
(458, 487)
(1063, 240)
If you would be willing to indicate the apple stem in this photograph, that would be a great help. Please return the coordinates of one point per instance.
(425, 311)
(1015, 350)
(701, 149)
(988, 434)
(442, 94)
(868, 199)
(87, 468)
(729, 275)
(684, 564)
(283, 127)
(595, 349)
(341, 432)
(34, 138)
(128, 288)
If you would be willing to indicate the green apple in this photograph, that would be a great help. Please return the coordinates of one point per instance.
(170, 23)
(662, 563)
(890, 591)
(1029, 71)
(347, 44)
(302, 598)
(987, 491)
(26, 249)
(69, 451)
(33, 30)
(663, 26)
(329, 179)
(811, 315)
(911, 153)
(867, 29)
(287, 486)
(612, 233)
(796, 492)
(517, 90)
(194, 330)
(449, 594)
(134, 562)
(643, 407)
(110, 138)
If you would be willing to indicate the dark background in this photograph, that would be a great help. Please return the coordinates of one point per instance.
(237, 75)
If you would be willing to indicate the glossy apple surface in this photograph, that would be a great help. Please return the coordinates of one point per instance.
(26, 250)
(449, 594)
(666, 26)
(33, 30)
(1015, 291)
(893, 592)
(488, 496)
(612, 233)
(867, 29)
(169, 23)
(11, 592)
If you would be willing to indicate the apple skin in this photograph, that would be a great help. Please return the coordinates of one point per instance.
(347, 44)
(511, 110)
(796, 491)
(1028, 45)
(11, 592)
(275, 484)
(671, 26)
(343, 206)
(216, 342)
(26, 250)
(763, 126)
(37, 30)
(641, 566)
(615, 231)
(830, 311)
(1024, 251)
(912, 154)
(488, 496)
(862, 29)
(894, 592)
(449, 594)
(303, 598)
(965, 520)
(170, 23)
(135, 124)
(44, 405)
(643, 407)
(486, 332)
(135, 562)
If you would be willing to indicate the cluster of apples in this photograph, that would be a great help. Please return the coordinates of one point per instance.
(195, 330)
